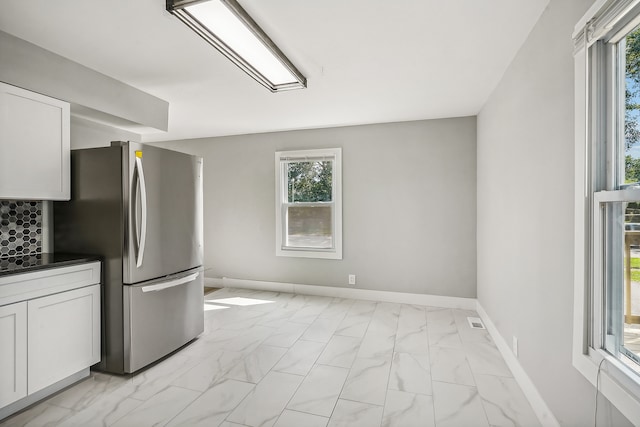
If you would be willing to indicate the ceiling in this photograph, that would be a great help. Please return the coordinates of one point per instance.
(366, 61)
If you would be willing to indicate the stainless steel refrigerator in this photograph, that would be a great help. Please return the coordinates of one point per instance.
(140, 208)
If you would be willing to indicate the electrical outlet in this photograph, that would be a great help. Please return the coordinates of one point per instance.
(515, 346)
(352, 279)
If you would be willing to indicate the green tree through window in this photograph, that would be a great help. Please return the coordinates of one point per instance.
(309, 181)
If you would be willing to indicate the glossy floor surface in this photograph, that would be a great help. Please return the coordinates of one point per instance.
(276, 359)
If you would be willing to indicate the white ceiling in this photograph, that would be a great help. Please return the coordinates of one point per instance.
(366, 61)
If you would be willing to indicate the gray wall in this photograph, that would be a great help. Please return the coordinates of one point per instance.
(89, 134)
(526, 214)
(409, 206)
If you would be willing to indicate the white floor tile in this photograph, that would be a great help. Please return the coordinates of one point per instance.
(340, 351)
(40, 415)
(412, 317)
(299, 359)
(465, 331)
(410, 373)
(264, 404)
(504, 402)
(353, 326)
(247, 341)
(308, 361)
(442, 329)
(105, 411)
(319, 391)
(209, 371)
(160, 408)
(355, 414)
(484, 358)
(337, 308)
(412, 340)
(322, 329)
(286, 335)
(150, 382)
(300, 419)
(377, 344)
(450, 365)
(357, 320)
(88, 391)
(385, 319)
(213, 406)
(367, 381)
(257, 364)
(408, 410)
(457, 405)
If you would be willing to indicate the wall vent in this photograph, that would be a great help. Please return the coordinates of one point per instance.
(475, 323)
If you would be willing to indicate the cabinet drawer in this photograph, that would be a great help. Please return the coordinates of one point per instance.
(21, 287)
(161, 316)
(63, 335)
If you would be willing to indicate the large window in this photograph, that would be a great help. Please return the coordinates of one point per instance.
(607, 274)
(615, 174)
(309, 203)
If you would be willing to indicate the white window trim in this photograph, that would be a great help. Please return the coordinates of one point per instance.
(614, 380)
(336, 252)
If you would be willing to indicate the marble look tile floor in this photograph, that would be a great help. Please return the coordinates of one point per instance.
(284, 360)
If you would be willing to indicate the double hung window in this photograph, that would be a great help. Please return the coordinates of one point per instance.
(615, 179)
(309, 203)
(607, 274)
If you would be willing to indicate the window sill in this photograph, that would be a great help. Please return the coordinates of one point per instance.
(615, 381)
(303, 253)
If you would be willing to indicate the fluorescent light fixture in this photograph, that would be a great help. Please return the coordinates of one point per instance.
(228, 27)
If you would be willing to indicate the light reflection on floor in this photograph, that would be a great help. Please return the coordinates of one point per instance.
(210, 307)
(239, 301)
(222, 303)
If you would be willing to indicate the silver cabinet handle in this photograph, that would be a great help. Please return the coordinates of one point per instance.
(171, 283)
(143, 213)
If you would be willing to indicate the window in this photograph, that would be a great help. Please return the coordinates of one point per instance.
(607, 250)
(616, 185)
(309, 203)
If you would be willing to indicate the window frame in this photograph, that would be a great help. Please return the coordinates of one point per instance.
(281, 159)
(597, 183)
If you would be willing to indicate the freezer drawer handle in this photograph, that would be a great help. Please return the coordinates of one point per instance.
(171, 283)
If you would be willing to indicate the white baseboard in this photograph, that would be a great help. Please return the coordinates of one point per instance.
(354, 293)
(542, 411)
(213, 282)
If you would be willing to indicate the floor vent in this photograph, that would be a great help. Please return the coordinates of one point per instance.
(475, 323)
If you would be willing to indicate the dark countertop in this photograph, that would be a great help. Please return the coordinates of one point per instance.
(28, 263)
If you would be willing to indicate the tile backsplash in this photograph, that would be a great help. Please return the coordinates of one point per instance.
(20, 228)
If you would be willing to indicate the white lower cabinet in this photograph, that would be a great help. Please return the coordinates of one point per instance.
(49, 332)
(13, 353)
(63, 335)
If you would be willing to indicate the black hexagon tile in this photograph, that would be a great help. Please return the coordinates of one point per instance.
(20, 229)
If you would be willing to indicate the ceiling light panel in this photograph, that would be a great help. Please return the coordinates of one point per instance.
(228, 27)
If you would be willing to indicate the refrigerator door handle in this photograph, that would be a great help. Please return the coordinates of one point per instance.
(170, 283)
(143, 212)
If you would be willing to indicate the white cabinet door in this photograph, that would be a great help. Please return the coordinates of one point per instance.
(13, 353)
(34, 146)
(63, 335)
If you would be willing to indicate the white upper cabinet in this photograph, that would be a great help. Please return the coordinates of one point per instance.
(34, 146)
